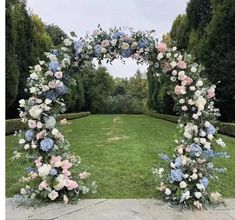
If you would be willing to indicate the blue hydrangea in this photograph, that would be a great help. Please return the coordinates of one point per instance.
(97, 49)
(143, 43)
(196, 150)
(29, 135)
(53, 65)
(46, 144)
(178, 162)
(55, 52)
(61, 90)
(176, 175)
(78, 46)
(208, 153)
(53, 172)
(51, 95)
(204, 181)
(117, 35)
(210, 130)
(127, 53)
(164, 156)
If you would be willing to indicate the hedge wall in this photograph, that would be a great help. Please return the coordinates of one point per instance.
(13, 125)
(224, 128)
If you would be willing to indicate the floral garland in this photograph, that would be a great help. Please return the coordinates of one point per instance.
(186, 176)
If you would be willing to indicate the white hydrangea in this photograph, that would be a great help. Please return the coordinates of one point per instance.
(190, 130)
(200, 103)
(35, 111)
(44, 170)
(67, 42)
(33, 76)
(61, 182)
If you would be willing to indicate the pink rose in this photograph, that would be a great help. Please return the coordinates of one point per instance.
(187, 81)
(52, 84)
(58, 75)
(66, 165)
(45, 88)
(71, 184)
(162, 48)
(210, 93)
(179, 90)
(32, 124)
(43, 185)
(40, 135)
(181, 64)
(66, 172)
(39, 124)
(105, 43)
(38, 162)
(56, 161)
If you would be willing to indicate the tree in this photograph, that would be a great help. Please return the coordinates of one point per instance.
(56, 33)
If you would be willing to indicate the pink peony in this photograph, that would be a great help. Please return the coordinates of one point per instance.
(181, 64)
(66, 165)
(32, 124)
(71, 184)
(43, 185)
(58, 75)
(187, 81)
(179, 90)
(56, 161)
(162, 48)
(66, 172)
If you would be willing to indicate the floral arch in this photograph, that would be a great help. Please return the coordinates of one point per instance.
(187, 174)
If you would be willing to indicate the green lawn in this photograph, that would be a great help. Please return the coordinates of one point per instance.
(121, 150)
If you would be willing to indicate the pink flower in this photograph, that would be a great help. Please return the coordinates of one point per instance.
(22, 114)
(71, 184)
(45, 88)
(39, 124)
(162, 48)
(38, 162)
(56, 161)
(66, 165)
(187, 81)
(43, 185)
(84, 175)
(52, 84)
(210, 93)
(66, 172)
(181, 64)
(105, 43)
(58, 75)
(41, 134)
(179, 90)
(32, 124)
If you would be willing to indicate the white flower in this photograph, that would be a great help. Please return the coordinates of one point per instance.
(44, 170)
(23, 191)
(173, 79)
(35, 111)
(203, 140)
(52, 57)
(33, 76)
(64, 48)
(193, 69)
(168, 55)
(167, 191)
(67, 42)
(183, 184)
(181, 101)
(199, 83)
(192, 88)
(21, 141)
(200, 103)
(194, 176)
(195, 116)
(197, 204)
(189, 130)
(113, 42)
(50, 122)
(174, 73)
(207, 124)
(190, 102)
(22, 103)
(47, 101)
(160, 56)
(60, 182)
(220, 142)
(198, 195)
(185, 196)
(185, 176)
(53, 195)
(202, 133)
(103, 50)
(184, 108)
(33, 90)
(41, 62)
(125, 46)
(200, 186)
(37, 68)
(65, 199)
(26, 147)
(173, 64)
(54, 131)
(210, 136)
(174, 48)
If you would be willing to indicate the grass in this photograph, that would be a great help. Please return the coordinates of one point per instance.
(121, 150)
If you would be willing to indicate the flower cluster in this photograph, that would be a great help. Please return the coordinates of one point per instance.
(42, 141)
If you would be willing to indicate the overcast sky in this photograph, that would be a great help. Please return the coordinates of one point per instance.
(83, 16)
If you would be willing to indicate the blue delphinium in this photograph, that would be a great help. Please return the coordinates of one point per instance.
(143, 43)
(46, 144)
(78, 45)
(51, 95)
(196, 150)
(53, 65)
(178, 162)
(29, 135)
(176, 175)
(97, 49)
(117, 35)
(53, 172)
(210, 130)
(61, 90)
(127, 53)
(204, 181)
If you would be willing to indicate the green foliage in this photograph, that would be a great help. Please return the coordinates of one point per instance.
(56, 33)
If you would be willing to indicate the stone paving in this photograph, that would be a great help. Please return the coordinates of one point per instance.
(116, 209)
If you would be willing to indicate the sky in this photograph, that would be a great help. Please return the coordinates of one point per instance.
(83, 16)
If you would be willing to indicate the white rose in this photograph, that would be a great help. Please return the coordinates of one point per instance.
(192, 88)
(194, 176)
(202, 133)
(61, 182)
(52, 57)
(125, 46)
(54, 131)
(190, 102)
(67, 42)
(210, 136)
(203, 140)
(193, 69)
(113, 42)
(174, 48)
(26, 147)
(50, 122)
(199, 83)
(53, 195)
(47, 101)
(183, 184)
(184, 108)
(103, 50)
(200, 103)
(181, 101)
(173, 79)
(198, 195)
(64, 48)
(207, 124)
(195, 116)
(37, 68)
(21, 141)
(22, 103)
(33, 90)
(160, 56)
(35, 111)
(168, 55)
(33, 76)
(200, 186)
(44, 170)
(167, 191)
(174, 73)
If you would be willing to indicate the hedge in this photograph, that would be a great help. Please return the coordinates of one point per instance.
(224, 128)
(15, 124)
